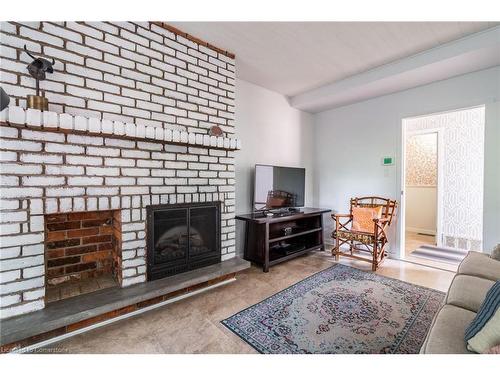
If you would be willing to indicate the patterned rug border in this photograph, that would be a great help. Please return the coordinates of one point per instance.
(223, 322)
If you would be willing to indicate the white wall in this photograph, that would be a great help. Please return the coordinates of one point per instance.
(350, 142)
(271, 132)
(421, 209)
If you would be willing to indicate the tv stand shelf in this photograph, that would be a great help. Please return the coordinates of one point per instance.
(270, 240)
(278, 259)
(301, 233)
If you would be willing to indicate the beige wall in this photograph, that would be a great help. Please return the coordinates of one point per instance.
(421, 209)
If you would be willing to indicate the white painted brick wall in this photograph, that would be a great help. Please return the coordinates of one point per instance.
(146, 76)
(142, 59)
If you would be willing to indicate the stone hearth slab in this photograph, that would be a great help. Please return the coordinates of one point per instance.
(73, 310)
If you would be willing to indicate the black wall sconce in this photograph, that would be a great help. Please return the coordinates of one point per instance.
(38, 69)
(4, 99)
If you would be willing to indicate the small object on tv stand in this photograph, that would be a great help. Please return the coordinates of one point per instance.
(280, 212)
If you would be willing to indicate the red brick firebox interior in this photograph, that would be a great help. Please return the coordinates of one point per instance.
(83, 253)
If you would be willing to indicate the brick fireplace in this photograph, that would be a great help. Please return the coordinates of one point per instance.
(130, 107)
(82, 253)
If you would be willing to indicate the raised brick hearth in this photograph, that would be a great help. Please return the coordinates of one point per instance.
(113, 76)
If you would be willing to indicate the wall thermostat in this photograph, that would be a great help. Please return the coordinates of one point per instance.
(387, 160)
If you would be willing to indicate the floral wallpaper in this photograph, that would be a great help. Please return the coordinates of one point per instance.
(421, 160)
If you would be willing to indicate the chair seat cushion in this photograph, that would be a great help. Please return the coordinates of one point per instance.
(446, 335)
(365, 238)
(468, 292)
(481, 265)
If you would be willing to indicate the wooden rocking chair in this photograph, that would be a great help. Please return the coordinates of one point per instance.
(371, 242)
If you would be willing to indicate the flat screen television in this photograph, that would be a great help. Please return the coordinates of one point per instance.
(278, 187)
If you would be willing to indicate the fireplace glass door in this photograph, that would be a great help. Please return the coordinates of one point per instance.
(170, 236)
(203, 239)
(182, 237)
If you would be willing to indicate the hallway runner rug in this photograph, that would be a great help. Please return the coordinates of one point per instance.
(440, 254)
(340, 310)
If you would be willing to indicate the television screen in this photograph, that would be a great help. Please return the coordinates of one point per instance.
(278, 187)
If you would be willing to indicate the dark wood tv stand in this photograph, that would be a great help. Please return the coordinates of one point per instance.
(267, 243)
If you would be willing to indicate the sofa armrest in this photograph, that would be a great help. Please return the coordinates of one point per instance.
(480, 265)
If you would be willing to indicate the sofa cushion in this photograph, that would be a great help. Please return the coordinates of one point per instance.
(487, 337)
(495, 253)
(481, 265)
(446, 335)
(468, 292)
(484, 331)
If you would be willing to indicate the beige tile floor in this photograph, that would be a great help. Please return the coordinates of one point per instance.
(193, 325)
(414, 240)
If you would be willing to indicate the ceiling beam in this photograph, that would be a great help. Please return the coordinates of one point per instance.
(472, 53)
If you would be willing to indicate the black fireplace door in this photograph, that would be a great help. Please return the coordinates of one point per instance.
(182, 237)
(170, 236)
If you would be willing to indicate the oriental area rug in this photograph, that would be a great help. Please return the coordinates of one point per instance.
(340, 310)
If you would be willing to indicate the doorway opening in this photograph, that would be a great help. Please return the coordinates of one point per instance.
(442, 187)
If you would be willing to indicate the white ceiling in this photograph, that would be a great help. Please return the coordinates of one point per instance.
(475, 52)
(295, 57)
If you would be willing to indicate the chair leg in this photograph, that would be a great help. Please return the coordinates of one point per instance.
(336, 250)
(337, 241)
(382, 253)
(375, 257)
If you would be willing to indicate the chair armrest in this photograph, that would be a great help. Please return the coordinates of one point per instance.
(341, 220)
(382, 225)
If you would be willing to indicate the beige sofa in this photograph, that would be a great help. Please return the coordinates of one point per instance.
(476, 275)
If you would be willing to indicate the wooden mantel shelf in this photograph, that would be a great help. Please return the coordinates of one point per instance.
(64, 122)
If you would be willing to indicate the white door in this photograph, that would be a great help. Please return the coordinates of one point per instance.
(422, 184)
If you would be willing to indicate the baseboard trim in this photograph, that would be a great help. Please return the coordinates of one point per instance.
(421, 230)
